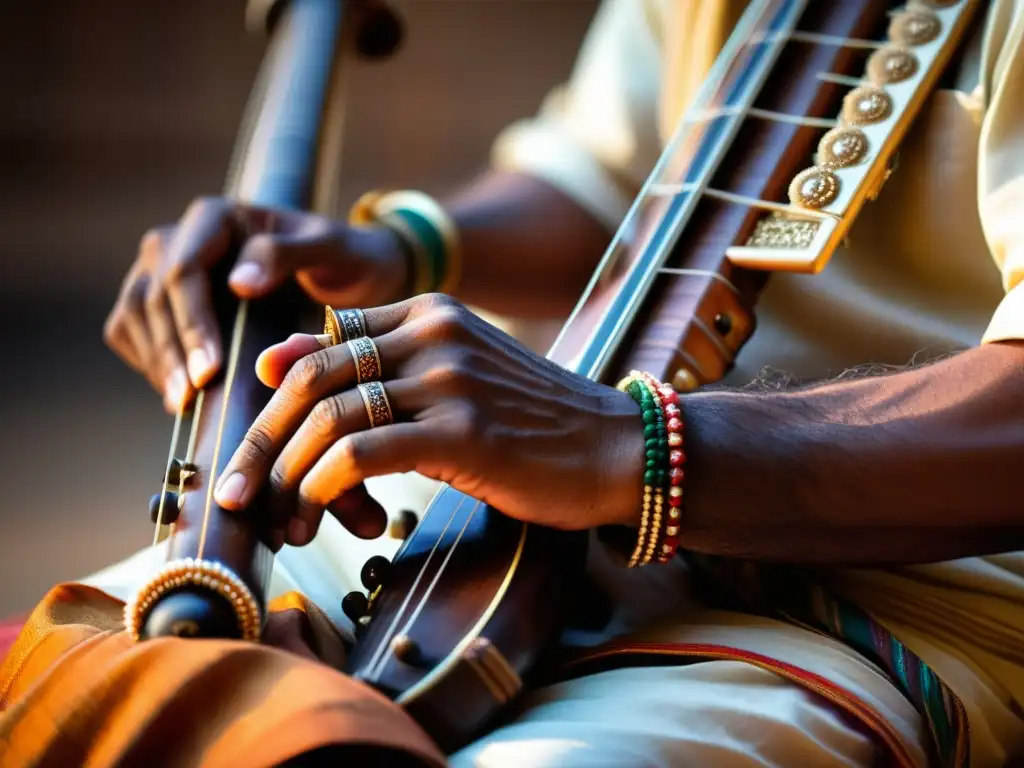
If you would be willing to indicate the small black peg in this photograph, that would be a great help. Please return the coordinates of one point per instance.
(174, 472)
(170, 511)
(375, 572)
(180, 471)
(723, 324)
(402, 527)
(354, 605)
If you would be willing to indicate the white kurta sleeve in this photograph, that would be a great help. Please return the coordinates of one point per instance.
(1001, 163)
(596, 137)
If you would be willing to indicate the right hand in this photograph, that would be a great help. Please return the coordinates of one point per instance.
(163, 324)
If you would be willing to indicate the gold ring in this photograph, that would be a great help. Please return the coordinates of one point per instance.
(375, 400)
(344, 324)
(367, 359)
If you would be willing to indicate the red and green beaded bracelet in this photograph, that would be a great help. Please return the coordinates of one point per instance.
(659, 406)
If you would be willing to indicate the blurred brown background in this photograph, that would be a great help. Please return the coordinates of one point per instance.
(113, 114)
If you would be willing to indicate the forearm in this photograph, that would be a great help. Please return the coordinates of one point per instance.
(922, 465)
(528, 249)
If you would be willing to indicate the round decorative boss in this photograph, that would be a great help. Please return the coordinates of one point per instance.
(842, 147)
(866, 104)
(814, 187)
(891, 64)
(916, 26)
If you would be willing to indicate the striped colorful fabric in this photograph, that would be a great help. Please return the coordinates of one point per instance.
(789, 594)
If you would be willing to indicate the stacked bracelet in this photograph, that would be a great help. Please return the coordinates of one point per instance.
(658, 537)
(425, 229)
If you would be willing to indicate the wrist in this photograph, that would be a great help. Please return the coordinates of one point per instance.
(621, 467)
(385, 267)
(426, 234)
(660, 506)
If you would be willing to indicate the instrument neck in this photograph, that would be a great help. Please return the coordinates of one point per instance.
(675, 292)
(641, 249)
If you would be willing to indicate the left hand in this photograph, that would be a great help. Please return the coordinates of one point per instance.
(472, 408)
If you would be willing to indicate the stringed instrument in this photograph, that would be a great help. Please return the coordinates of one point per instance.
(793, 132)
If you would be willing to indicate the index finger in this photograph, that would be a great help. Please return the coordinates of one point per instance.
(313, 377)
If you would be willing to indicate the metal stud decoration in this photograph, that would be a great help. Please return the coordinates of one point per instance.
(866, 104)
(814, 187)
(915, 26)
(842, 147)
(891, 64)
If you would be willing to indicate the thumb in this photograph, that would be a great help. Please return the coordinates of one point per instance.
(274, 362)
(267, 260)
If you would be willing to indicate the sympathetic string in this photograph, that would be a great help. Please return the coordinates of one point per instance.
(229, 379)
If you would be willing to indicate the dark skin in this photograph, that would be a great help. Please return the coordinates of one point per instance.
(919, 465)
(916, 466)
(512, 227)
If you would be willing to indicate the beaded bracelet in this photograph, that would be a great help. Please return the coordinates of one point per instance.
(663, 446)
(425, 229)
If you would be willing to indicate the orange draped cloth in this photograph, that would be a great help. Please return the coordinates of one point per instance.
(75, 691)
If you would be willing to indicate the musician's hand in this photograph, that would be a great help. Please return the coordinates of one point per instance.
(471, 407)
(163, 323)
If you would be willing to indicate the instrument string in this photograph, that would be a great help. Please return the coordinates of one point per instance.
(691, 118)
(229, 380)
(175, 436)
(433, 583)
(190, 456)
(376, 660)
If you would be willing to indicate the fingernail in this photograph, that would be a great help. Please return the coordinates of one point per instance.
(297, 531)
(174, 389)
(199, 366)
(250, 275)
(230, 490)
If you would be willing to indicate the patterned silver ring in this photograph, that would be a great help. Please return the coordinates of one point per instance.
(375, 400)
(344, 324)
(366, 357)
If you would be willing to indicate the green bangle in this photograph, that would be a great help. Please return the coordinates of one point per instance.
(432, 242)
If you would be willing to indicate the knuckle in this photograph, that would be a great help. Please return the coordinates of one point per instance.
(307, 372)
(454, 375)
(327, 415)
(449, 322)
(467, 423)
(437, 301)
(354, 453)
(259, 443)
(278, 480)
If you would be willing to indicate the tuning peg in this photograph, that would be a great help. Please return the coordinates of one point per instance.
(402, 527)
(406, 649)
(169, 514)
(354, 605)
(180, 471)
(375, 573)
